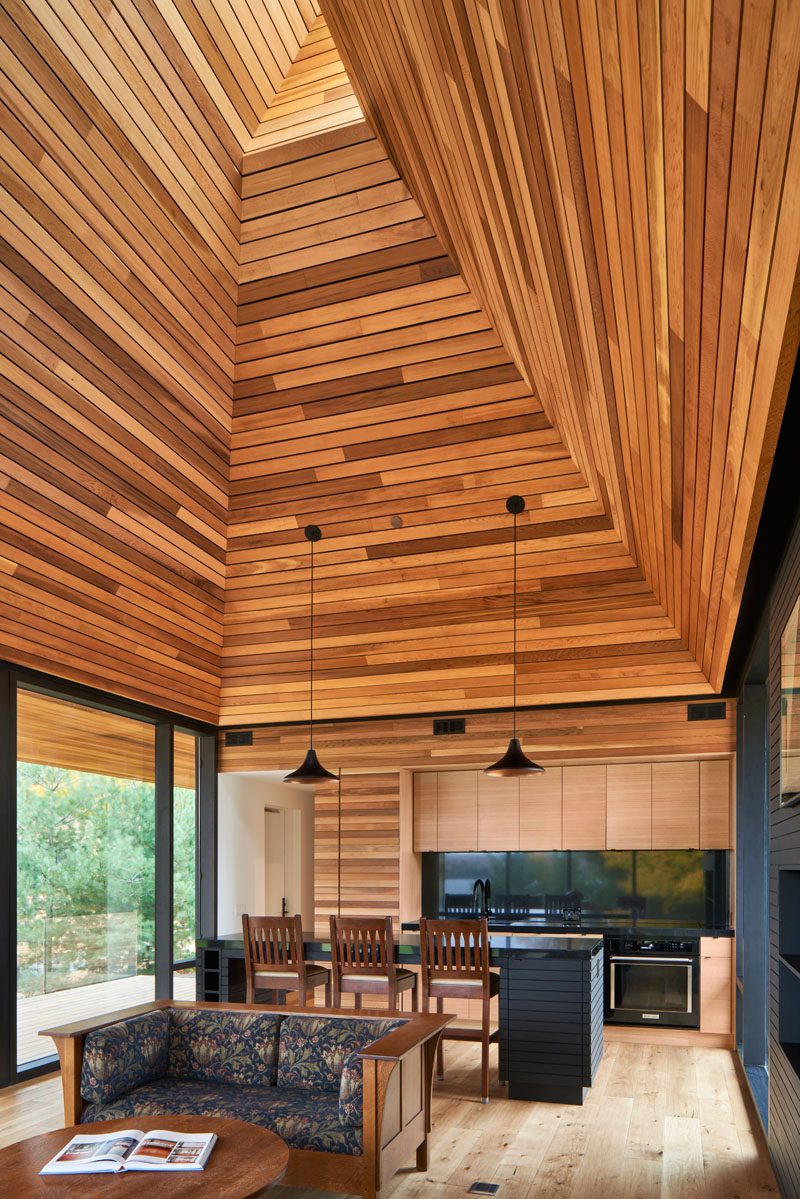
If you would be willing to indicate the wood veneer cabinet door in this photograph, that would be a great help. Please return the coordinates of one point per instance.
(715, 804)
(716, 983)
(498, 812)
(676, 805)
(629, 805)
(425, 817)
(540, 810)
(457, 810)
(584, 807)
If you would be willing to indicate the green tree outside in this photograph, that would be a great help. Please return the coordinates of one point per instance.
(85, 877)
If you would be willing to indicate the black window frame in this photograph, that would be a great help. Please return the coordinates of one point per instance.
(12, 677)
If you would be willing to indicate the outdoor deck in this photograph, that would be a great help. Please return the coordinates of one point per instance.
(78, 1003)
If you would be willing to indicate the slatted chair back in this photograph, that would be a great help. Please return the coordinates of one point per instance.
(363, 946)
(273, 945)
(455, 951)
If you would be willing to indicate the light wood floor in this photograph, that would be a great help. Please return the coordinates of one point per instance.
(660, 1123)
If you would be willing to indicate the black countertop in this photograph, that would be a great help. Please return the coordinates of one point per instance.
(550, 945)
(608, 925)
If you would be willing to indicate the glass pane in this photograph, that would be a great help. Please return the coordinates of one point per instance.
(85, 865)
(652, 988)
(184, 800)
(184, 984)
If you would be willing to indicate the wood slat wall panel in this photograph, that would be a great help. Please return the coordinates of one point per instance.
(369, 884)
(575, 734)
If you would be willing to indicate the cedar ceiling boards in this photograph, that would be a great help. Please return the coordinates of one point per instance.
(548, 248)
(371, 388)
(315, 96)
(119, 233)
(619, 184)
(53, 732)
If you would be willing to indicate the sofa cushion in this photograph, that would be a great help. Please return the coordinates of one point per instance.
(224, 1047)
(351, 1092)
(124, 1055)
(313, 1049)
(304, 1119)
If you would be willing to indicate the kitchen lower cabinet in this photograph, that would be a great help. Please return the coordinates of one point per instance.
(716, 984)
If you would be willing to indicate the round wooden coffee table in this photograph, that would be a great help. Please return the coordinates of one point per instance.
(244, 1160)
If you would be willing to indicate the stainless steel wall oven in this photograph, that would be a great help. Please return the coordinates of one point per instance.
(653, 982)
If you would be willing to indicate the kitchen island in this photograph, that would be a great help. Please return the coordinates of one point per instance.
(550, 1007)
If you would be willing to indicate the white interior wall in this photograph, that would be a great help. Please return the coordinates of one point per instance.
(241, 859)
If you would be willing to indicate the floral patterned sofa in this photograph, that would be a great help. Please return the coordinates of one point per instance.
(349, 1094)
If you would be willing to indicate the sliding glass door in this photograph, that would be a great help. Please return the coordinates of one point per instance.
(184, 864)
(85, 865)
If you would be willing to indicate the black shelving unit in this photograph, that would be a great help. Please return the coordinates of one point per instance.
(789, 966)
(209, 976)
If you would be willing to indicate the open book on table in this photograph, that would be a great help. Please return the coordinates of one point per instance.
(130, 1149)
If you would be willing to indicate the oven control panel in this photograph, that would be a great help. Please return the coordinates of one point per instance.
(639, 946)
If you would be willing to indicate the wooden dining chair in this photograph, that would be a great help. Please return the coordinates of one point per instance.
(362, 956)
(273, 958)
(455, 965)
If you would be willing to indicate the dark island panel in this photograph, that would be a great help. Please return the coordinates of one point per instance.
(551, 1026)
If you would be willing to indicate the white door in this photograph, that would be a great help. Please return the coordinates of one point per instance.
(281, 861)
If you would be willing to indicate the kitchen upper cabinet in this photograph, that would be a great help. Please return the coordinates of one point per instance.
(621, 805)
(425, 811)
(629, 805)
(716, 984)
(498, 813)
(676, 805)
(715, 804)
(457, 810)
(540, 810)
(584, 807)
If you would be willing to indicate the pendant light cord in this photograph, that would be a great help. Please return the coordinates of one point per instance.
(311, 660)
(515, 624)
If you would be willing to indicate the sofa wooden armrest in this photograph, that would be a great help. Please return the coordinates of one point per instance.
(397, 1084)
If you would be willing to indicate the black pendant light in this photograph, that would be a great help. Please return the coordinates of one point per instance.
(514, 762)
(312, 770)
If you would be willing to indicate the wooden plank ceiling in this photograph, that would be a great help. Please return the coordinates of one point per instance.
(549, 249)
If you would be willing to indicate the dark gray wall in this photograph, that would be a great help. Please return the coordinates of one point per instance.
(784, 1083)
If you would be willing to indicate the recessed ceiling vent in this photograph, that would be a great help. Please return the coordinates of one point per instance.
(715, 711)
(445, 727)
(239, 737)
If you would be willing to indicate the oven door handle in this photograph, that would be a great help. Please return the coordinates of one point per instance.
(644, 958)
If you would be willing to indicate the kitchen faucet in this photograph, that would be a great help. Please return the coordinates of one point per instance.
(481, 896)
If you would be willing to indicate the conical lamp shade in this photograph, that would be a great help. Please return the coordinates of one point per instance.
(514, 762)
(312, 771)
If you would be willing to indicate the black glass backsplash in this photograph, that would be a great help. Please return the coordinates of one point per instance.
(674, 886)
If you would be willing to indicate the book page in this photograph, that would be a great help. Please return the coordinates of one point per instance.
(170, 1150)
(91, 1154)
